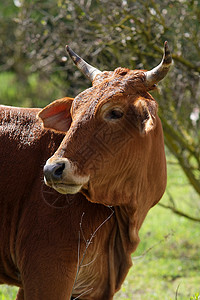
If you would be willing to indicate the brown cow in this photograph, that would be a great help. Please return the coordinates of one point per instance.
(57, 246)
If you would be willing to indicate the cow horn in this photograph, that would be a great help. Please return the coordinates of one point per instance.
(89, 71)
(159, 72)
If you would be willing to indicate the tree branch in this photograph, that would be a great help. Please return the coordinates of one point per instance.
(179, 212)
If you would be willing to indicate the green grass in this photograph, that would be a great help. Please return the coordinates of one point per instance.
(31, 91)
(7, 293)
(169, 268)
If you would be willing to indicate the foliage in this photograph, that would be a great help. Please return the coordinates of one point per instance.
(196, 297)
(34, 92)
(7, 293)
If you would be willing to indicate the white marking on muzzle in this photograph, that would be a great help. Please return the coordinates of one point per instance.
(69, 181)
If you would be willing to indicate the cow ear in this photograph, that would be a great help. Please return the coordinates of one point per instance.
(145, 111)
(56, 115)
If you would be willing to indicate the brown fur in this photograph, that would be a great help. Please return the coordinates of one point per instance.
(77, 247)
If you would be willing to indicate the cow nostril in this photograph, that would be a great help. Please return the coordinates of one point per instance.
(58, 172)
(53, 172)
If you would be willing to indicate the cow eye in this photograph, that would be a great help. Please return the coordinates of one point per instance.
(114, 114)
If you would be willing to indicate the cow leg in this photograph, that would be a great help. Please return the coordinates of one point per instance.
(51, 291)
(48, 280)
(42, 289)
(20, 294)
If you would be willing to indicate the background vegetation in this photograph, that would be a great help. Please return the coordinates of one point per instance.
(34, 70)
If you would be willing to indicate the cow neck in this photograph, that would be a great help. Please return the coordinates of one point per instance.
(127, 222)
(123, 242)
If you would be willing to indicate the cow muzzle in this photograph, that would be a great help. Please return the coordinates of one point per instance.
(61, 175)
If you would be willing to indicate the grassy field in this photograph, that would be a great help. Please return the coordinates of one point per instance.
(167, 262)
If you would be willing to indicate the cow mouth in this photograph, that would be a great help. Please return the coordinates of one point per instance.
(67, 188)
(85, 190)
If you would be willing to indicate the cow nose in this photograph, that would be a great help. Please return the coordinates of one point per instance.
(53, 172)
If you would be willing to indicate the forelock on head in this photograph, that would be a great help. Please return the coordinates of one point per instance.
(122, 80)
(109, 85)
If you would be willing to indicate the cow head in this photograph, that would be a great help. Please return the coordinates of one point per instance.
(113, 144)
